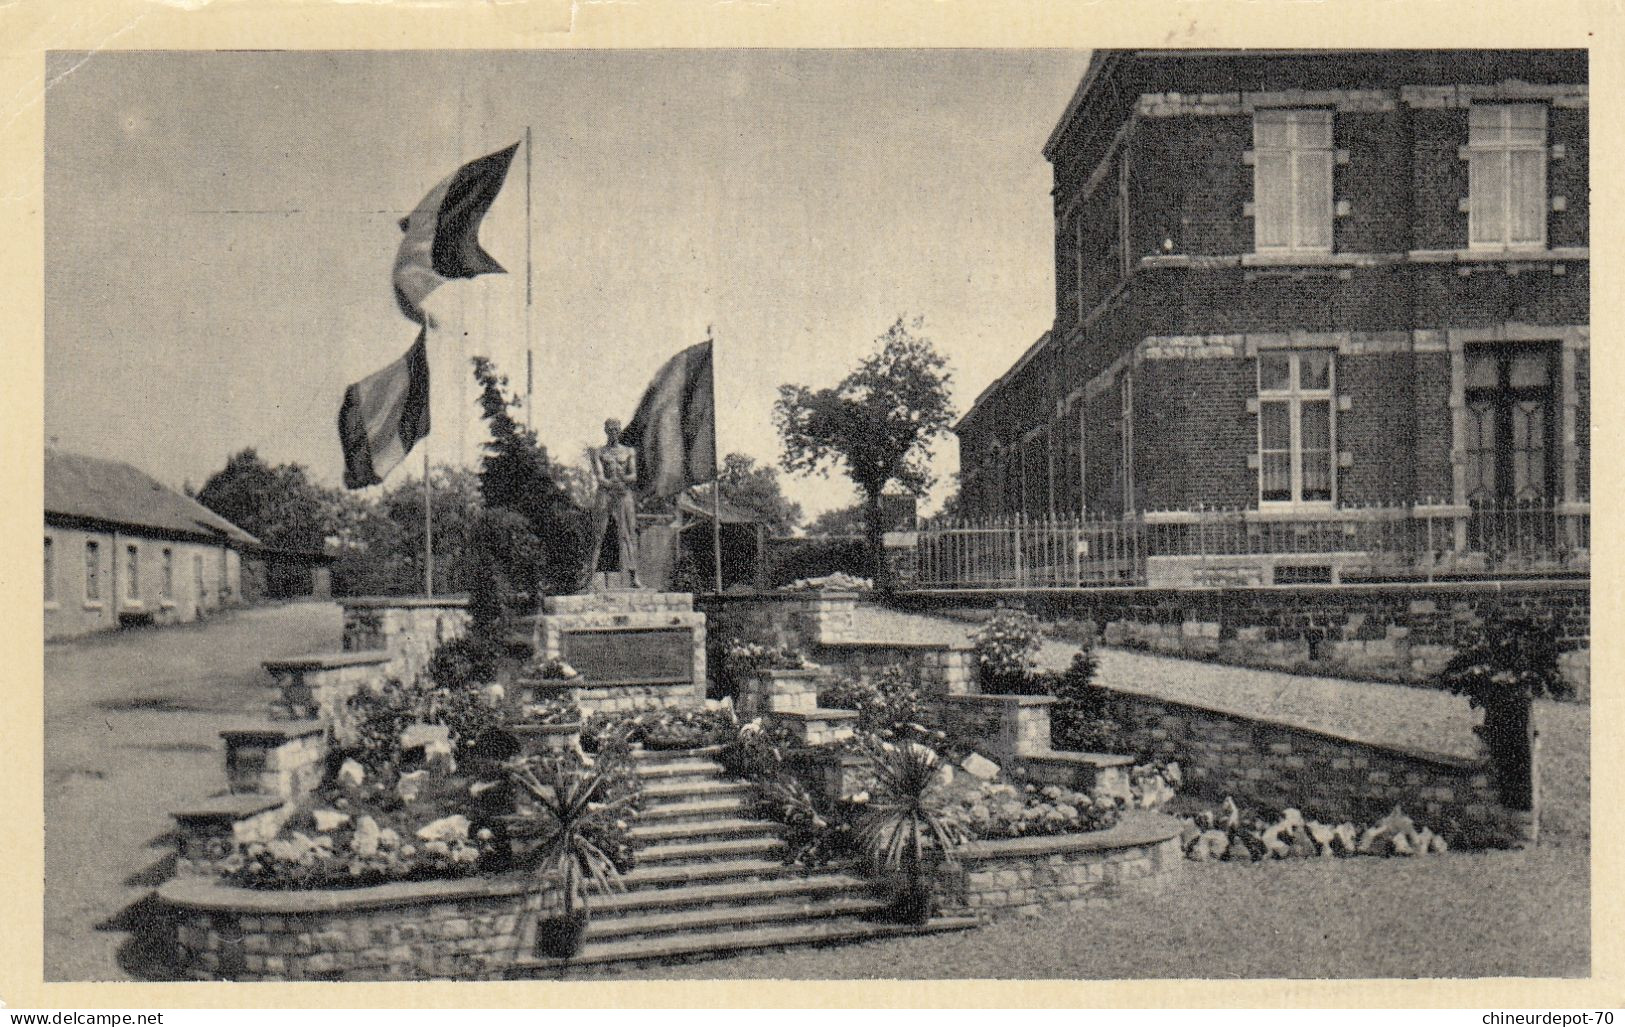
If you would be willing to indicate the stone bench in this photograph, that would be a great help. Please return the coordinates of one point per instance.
(1098, 773)
(227, 819)
(283, 758)
(819, 725)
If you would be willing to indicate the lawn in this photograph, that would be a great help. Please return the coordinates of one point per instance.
(1482, 914)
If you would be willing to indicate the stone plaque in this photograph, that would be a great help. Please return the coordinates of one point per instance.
(631, 656)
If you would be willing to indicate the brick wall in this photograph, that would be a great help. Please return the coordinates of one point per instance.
(1273, 766)
(1379, 429)
(409, 629)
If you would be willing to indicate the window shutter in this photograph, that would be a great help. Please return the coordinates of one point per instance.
(1486, 184)
(1272, 199)
(1314, 199)
(1527, 196)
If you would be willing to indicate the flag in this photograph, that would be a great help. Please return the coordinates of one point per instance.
(384, 415)
(674, 430)
(443, 234)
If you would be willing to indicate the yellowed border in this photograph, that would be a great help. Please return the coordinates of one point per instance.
(29, 27)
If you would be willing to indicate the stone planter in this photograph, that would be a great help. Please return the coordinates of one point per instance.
(779, 690)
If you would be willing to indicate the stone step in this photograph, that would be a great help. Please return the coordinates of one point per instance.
(720, 943)
(709, 851)
(695, 811)
(716, 828)
(652, 756)
(687, 791)
(728, 893)
(684, 769)
(731, 918)
(676, 875)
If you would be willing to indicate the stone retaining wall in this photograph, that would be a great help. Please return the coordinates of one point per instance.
(1387, 632)
(1036, 875)
(1274, 766)
(468, 929)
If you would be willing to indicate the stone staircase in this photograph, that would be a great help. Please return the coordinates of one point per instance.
(710, 882)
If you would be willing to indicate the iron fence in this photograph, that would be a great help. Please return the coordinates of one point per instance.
(1373, 543)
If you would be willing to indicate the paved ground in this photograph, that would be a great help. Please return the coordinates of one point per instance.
(132, 725)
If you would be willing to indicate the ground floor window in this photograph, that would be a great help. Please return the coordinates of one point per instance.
(93, 571)
(50, 572)
(1296, 432)
(169, 574)
(1511, 424)
(132, 575)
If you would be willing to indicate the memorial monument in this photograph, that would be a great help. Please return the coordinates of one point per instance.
(634, 648)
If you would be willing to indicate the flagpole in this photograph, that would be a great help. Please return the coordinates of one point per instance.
(428, 527)
(530, 386)
(716, 461)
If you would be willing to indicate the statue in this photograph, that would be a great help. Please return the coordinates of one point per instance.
(615, 513)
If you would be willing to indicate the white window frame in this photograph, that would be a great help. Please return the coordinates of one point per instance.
(1302, 126)
(50, 572)
(93, 571)
(132, 573)
(1495, 145)
(168, 581)
(1295, 396)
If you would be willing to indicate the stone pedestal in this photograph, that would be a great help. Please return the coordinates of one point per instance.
(635, 648)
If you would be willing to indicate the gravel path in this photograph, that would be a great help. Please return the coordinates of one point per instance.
(1398, 715)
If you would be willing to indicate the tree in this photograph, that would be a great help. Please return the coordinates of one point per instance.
(516, 474)
(841, 521)
(756, 490)
(279, 504)
(877, 424)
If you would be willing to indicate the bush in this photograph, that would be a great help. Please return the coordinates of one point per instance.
(1078, 719)
(1005, 650)
(381, 713)
(888, 705)
(661, 730)
(816, 558)
(1001, 811)
(465, 662)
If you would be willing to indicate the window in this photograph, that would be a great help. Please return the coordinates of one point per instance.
(1511, 426)
(1292, 181)
(197, 579)
(50, 572)
(1295, 430)
(132, 573)
(93, 572)
(1506, 175)
(169, 573)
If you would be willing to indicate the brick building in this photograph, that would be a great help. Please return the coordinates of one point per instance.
(122, 548)
(1304, 283)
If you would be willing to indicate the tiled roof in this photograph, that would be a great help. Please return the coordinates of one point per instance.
(106, 490)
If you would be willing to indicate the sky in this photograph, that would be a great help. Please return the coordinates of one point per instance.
(220, 228)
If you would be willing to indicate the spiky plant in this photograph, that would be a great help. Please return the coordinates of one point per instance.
(578, 814)
(908, 817)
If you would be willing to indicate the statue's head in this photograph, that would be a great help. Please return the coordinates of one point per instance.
(612, 431)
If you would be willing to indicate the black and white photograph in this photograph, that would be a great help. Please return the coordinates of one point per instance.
(784, 513)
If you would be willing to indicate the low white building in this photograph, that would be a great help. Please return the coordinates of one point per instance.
(122, 548)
